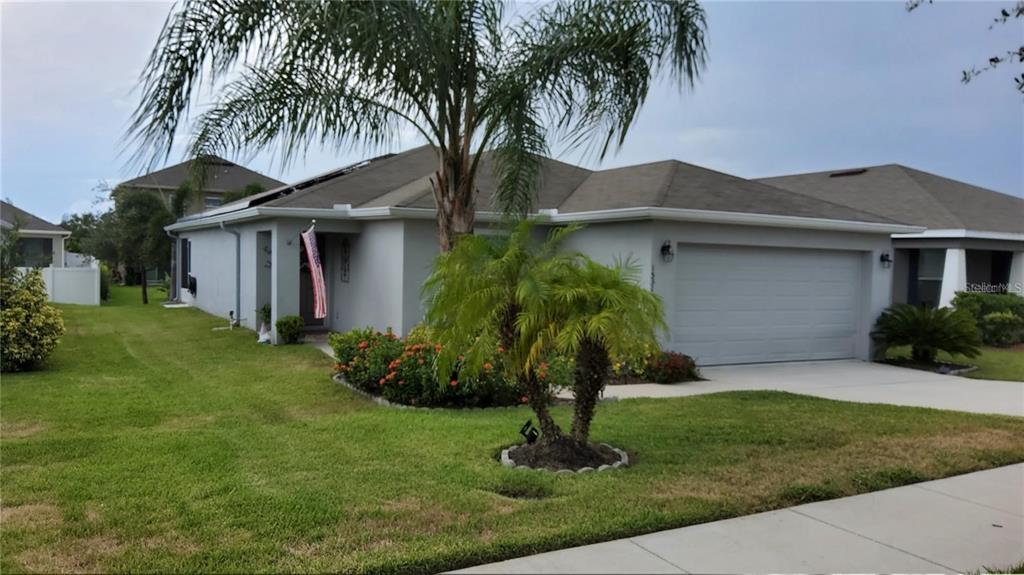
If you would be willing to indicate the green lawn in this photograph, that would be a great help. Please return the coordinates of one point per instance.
(153, 443)
(993, 363)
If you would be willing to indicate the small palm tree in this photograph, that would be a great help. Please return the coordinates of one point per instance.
(475, 300)
(600, 312)
(929, 331)
(466, 76)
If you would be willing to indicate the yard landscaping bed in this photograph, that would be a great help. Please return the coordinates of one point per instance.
(153, 443)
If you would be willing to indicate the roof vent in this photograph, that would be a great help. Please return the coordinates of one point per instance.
(845, 173)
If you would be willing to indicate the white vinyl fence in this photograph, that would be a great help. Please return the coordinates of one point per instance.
(73, 285)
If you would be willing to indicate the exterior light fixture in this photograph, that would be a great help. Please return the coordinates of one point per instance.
(667, 253)
(529, 431)
(885, 259)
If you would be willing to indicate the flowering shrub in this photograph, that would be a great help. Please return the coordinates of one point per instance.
(403, 372)
(671, 367)
(30, 327)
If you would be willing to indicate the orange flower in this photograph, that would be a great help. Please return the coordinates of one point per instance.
(488, 366)
(454, 383)
(381, 382)
(437, 348)
(363, 345)
(524, 399)
(501, 349)
(401, 382)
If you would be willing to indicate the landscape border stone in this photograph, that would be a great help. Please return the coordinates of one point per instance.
(506, 460)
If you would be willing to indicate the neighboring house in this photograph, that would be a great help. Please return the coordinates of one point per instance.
(40, 243)
(748, 272)
(220, 178)
(974, 240)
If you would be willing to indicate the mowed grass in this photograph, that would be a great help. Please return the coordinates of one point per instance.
(153, 443)
(1005, 364)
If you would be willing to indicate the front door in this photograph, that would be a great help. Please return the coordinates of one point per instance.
(306, 283)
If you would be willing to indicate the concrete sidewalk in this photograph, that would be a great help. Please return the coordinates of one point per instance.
(848, 380)
(950, 525)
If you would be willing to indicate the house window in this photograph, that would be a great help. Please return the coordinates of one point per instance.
(930, 263)
(213, 201)
(186, 262)
(35, 252)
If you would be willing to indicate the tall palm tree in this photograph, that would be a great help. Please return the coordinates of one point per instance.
(464, 75)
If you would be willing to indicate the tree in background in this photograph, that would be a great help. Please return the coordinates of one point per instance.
(10, 256)
(1014, 55)
(82, 228)
(462, 74)
(141, 241)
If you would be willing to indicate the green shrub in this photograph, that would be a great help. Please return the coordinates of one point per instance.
(346, 344)
(105, 278)
(289, 328)
(929, 331)
(1002, 328)
(30, 328)
(670, 367)
(981, 304)
(374, 353)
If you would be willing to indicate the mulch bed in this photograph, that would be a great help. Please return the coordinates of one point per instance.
(564, 455)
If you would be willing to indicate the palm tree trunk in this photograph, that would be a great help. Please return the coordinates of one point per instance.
(592, 364)
(142, 276)
(538, 401)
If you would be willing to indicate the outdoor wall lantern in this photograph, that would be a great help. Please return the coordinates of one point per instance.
(529, 432)
(886, 260)
(667, 253)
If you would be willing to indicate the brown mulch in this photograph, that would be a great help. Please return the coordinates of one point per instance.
(563, 454)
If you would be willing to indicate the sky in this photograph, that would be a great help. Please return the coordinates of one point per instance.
(789, 88)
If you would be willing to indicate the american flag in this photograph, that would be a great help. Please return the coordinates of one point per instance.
(316, 273)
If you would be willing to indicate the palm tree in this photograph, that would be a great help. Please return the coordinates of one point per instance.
(475, 300)
(530, 298)
(600, 312)
(466, 76)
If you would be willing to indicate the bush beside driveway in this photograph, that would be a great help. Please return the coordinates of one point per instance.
(153, 443)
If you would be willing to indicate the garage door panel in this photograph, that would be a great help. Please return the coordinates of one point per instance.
(739, 304)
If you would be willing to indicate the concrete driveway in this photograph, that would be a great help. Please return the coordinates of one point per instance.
(849, 380)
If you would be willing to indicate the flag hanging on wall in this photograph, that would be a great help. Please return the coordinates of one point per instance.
(316, 274)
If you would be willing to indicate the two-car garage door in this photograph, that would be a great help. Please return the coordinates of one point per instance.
(756, 304)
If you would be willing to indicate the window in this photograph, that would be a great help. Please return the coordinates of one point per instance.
(930, 263)
(186, 262)
(35, 252)
(213, 201)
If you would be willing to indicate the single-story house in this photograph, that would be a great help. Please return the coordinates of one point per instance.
(974, 239)
(748, 272)
(40, 243)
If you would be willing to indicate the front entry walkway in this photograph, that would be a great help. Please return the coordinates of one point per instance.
(849, 380)
(951, 525)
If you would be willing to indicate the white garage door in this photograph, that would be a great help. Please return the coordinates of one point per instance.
(750, 304)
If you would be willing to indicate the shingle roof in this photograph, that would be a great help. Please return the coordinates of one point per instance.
(674, 184)
(222, 176)
(912, 196)
(402, 180)
(9, 214)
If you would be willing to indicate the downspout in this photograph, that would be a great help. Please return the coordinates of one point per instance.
(236, 320)
(175, 280)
